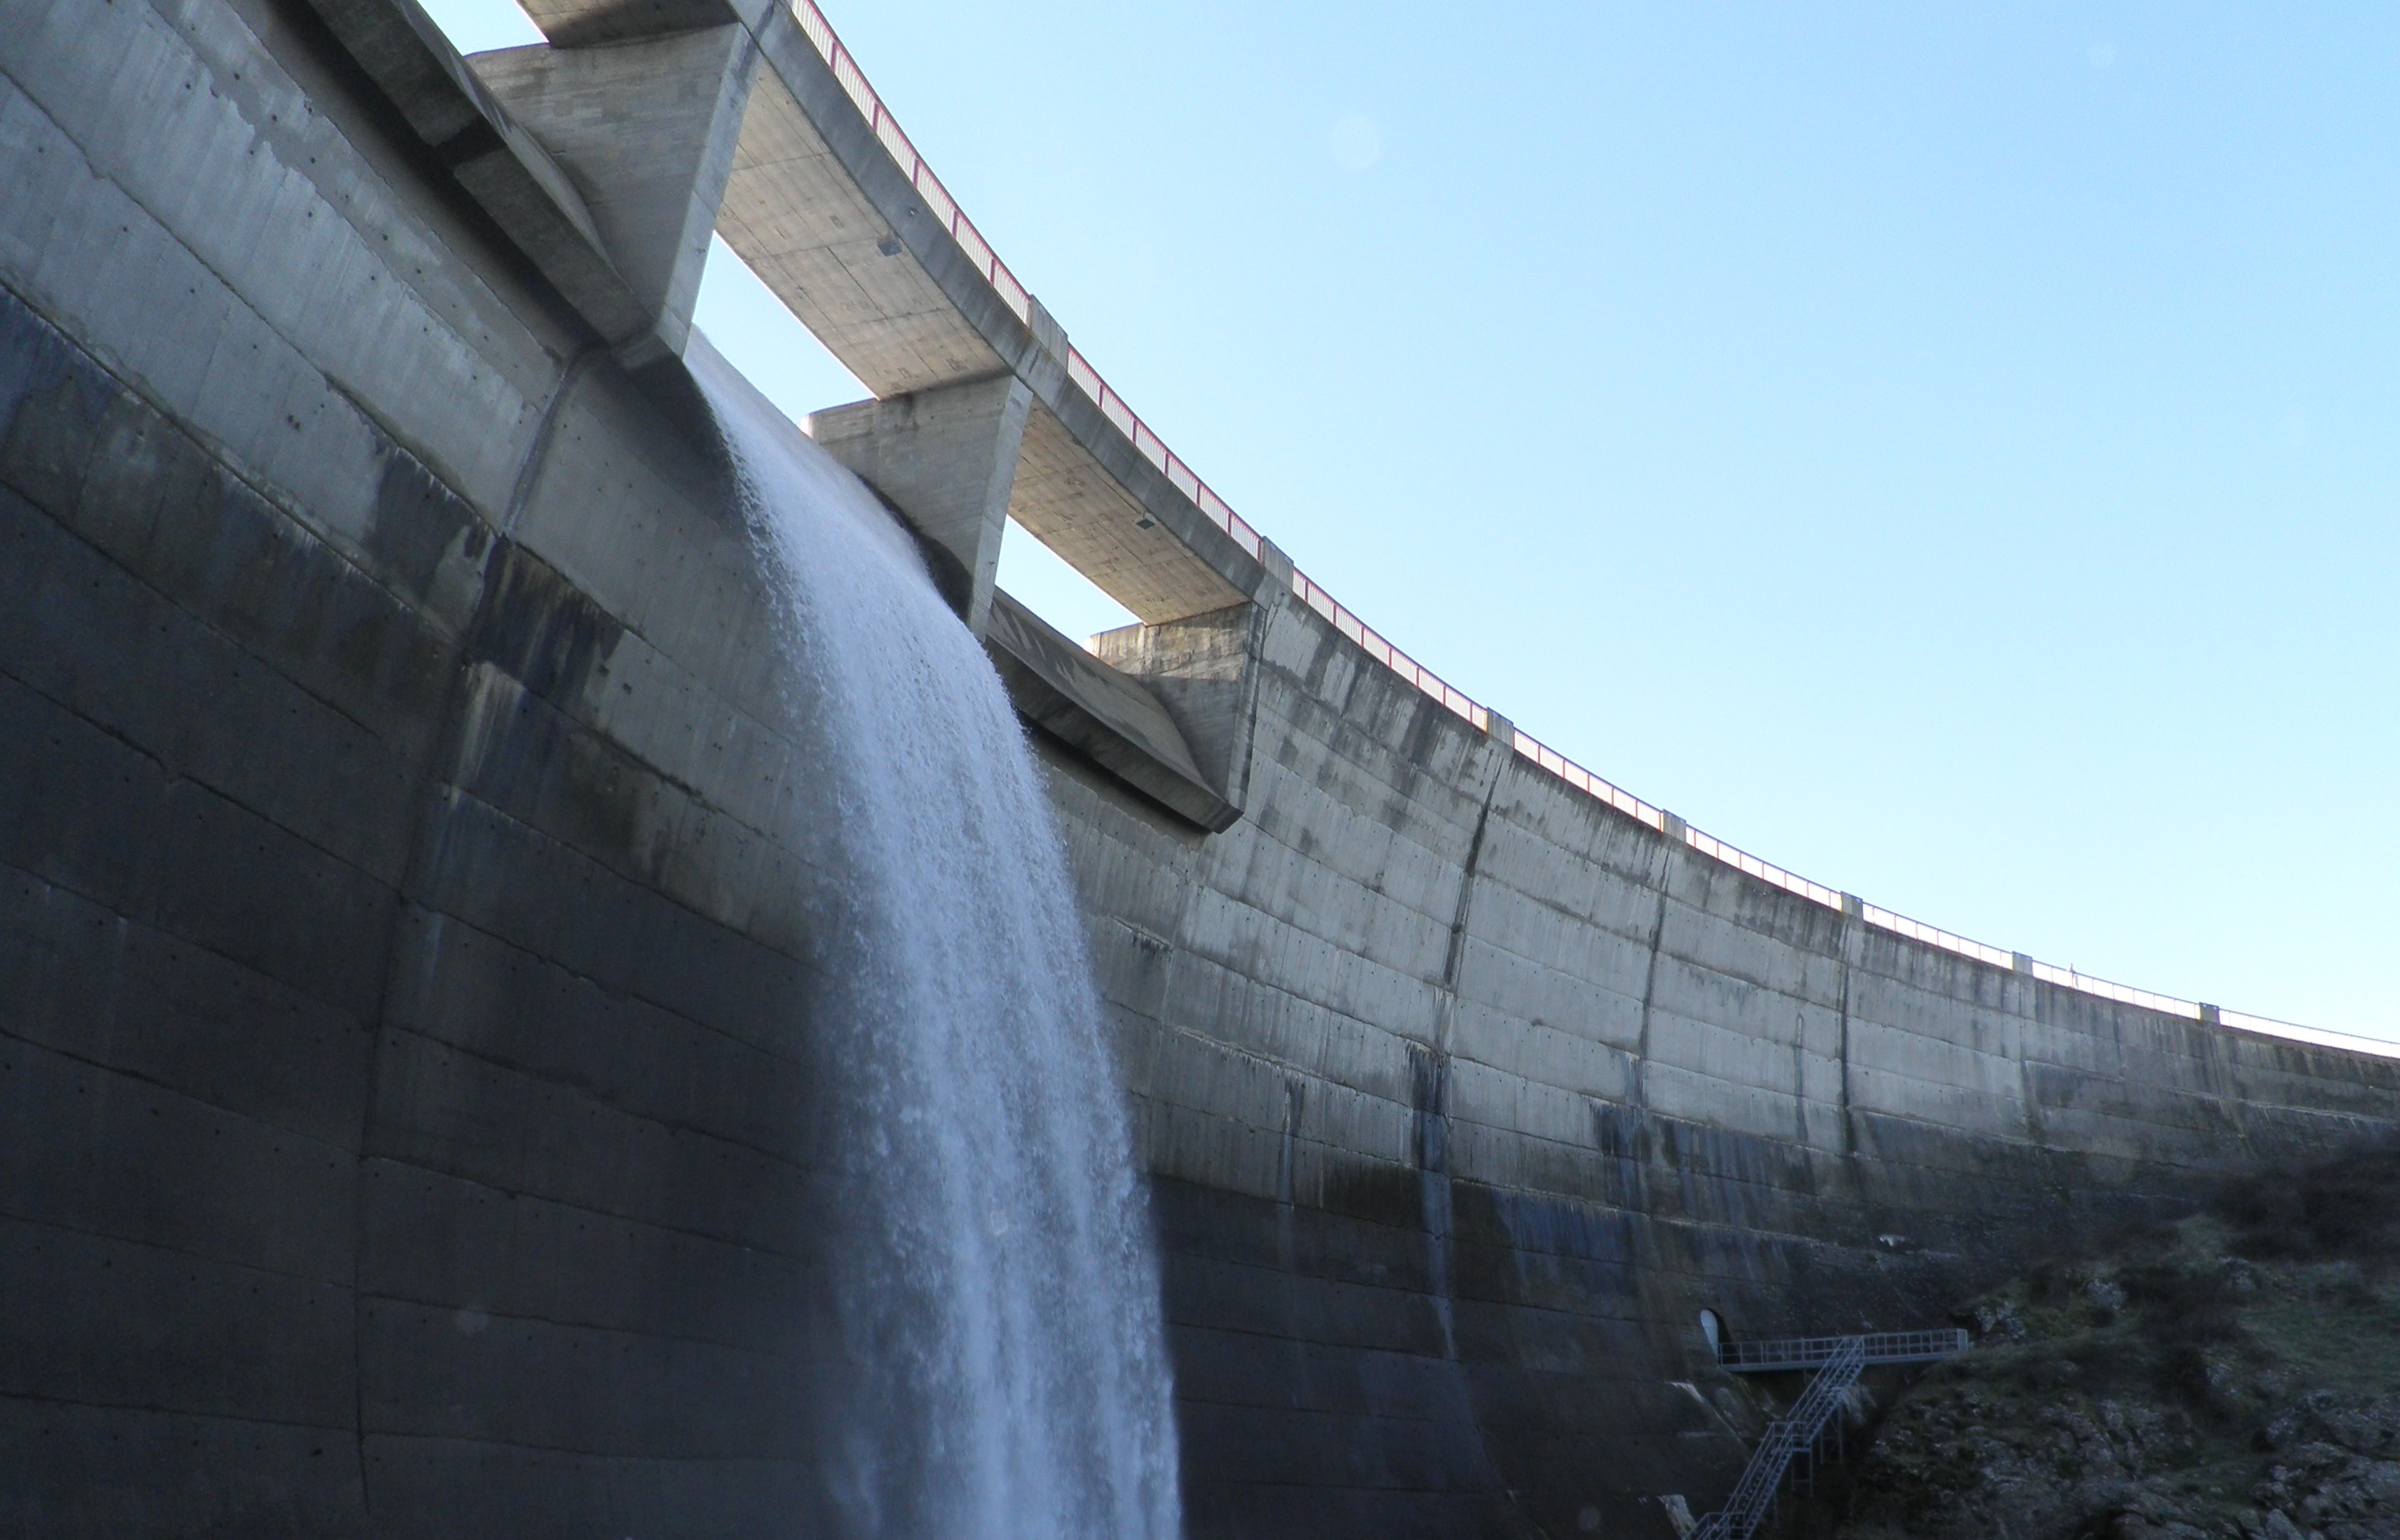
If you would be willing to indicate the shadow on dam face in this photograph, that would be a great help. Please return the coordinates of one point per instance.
(474, 987)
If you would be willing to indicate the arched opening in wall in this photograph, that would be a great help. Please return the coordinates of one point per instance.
(1712, 1326)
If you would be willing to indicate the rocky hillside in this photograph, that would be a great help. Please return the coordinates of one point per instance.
(2237, 1374)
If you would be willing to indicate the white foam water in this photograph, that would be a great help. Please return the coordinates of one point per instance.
(1000, 1372)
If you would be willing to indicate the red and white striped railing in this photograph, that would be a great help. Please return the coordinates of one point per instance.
(920, 176)
(1146, 442)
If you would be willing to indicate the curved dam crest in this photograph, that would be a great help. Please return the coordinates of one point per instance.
(413, 838)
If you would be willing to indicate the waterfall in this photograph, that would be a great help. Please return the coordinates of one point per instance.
(997, 1370)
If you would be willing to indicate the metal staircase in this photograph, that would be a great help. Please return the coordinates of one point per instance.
(1839, 1362)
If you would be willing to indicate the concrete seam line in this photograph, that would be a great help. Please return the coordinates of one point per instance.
(537, 451)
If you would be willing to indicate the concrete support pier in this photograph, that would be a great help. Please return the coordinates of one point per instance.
(945, 457)
(645, 129)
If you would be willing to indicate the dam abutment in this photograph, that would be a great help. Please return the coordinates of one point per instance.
(405, 876)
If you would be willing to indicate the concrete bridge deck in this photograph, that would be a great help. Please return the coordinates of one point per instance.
(833, 206)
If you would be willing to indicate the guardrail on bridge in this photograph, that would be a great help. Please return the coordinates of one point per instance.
(1153, 448)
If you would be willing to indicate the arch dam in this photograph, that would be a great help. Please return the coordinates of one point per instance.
(397, 885)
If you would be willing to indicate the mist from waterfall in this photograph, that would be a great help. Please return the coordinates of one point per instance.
(997, 1369)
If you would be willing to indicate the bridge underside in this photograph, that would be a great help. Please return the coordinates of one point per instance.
(846, 240)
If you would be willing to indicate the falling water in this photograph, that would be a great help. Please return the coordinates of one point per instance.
(1000, 1372)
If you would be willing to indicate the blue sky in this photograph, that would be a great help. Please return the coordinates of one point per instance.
(1949, 451)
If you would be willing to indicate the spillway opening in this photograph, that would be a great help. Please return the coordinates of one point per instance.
(994, 1364)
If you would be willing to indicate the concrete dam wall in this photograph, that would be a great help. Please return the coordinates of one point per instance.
(407, 868)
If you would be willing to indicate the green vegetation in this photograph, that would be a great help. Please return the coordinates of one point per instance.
(2237, 1375)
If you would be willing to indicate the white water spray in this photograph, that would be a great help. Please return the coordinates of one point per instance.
(1000, 1372)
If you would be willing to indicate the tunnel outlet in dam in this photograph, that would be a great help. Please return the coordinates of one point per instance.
(433, 877)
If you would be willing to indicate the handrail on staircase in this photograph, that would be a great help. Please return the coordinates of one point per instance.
(1839, 1362)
